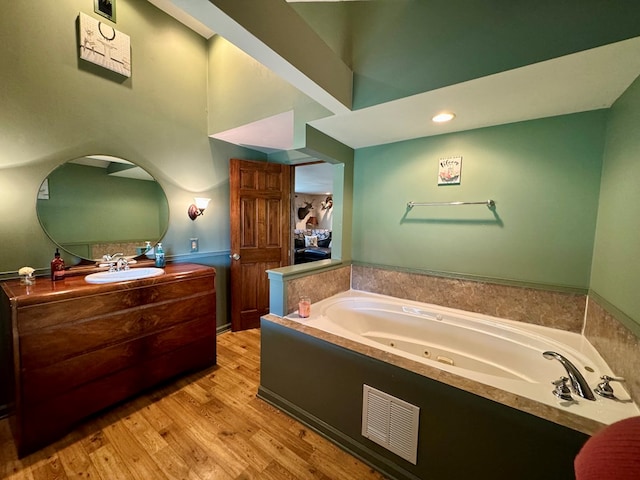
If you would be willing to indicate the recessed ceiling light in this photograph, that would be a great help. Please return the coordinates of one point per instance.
(443, 117)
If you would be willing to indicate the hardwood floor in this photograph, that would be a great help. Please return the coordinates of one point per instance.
(209, 425)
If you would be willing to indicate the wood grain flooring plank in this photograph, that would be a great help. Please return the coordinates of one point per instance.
(52, 469)
(108, 464)
(290, 461)
(138, 461)
(76, 463)
(11, 468)
(228, 459)
(333, 461)
(156, 417)
(173, 466)
(144, 433)
(194, 454)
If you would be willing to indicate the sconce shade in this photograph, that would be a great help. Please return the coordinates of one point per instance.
(202, 202)
(197, 209)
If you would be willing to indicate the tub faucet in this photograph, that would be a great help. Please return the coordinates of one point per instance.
(578, 382)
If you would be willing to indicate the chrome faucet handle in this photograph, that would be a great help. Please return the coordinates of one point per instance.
(604, 389)
(122, 264)
(562, 389)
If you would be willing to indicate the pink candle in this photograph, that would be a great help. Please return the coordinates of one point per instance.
(304, 307)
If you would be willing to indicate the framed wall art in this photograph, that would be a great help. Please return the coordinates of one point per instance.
(449, 170)
(106, 8)
(104, 45)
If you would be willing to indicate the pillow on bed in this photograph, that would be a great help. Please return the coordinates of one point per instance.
(324, 243)
(310, 241)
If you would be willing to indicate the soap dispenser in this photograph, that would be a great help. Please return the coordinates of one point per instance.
(160, 256)
(57, 267)
(148, 250)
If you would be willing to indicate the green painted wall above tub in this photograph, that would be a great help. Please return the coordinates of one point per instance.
(616, 257)
(544, 176)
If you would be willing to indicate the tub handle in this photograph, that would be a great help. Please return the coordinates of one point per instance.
(562, 389)
(604, 389)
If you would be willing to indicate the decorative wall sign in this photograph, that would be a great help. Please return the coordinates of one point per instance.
(449, 170)
(106, 8)
(104, 45)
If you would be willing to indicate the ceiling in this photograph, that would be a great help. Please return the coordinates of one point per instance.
(116, 167)
(580, 82)
(314, 179)
(587, 80)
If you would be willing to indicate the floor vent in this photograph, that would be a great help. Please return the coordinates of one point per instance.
(390, 422)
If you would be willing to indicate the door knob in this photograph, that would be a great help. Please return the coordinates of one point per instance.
(235, 256)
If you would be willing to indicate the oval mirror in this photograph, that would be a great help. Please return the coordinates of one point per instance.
(99, 204)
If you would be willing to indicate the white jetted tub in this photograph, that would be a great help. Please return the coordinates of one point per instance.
(501, 353)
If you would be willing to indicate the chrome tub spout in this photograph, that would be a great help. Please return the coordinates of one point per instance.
(578, 382)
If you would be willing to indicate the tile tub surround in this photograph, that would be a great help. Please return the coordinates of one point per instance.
(553, 309)
(318, 286)
(617, 344)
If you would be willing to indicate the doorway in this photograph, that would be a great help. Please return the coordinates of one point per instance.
(312, 212)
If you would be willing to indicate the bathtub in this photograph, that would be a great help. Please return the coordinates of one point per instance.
(500, 353)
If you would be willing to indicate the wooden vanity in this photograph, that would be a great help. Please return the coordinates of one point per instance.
(78, 348)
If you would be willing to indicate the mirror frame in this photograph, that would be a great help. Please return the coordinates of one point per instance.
(125, 200)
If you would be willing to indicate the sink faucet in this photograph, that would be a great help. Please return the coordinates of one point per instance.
(578, 382)
(117, 262)
(122, 264)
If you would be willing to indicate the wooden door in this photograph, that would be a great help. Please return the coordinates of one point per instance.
(260, 235)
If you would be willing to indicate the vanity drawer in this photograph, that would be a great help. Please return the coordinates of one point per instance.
(48, 314)
(41, 384)
(54, 344)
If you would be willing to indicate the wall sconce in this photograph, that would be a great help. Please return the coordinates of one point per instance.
(197, 209)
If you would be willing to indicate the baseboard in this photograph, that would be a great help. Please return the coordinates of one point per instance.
(346, 443)
(223, 328)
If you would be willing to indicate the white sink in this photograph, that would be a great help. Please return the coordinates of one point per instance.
(123, 275)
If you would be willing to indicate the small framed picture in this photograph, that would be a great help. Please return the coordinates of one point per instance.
(449, 170)
(106, 8)
(103, 45)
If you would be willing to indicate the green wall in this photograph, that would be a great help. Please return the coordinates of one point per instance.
(544, 176)
(616, 260)
(242, 90)
(56, 107)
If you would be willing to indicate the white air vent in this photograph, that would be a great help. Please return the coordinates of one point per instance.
(390, 422)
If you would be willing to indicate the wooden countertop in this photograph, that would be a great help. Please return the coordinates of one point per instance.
(46, 290)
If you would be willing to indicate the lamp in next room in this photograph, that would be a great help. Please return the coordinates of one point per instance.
(197, 209)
